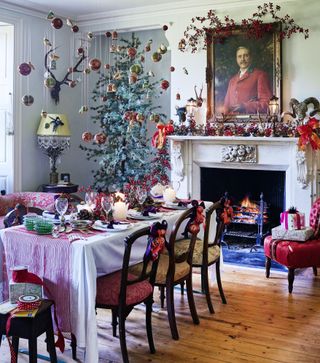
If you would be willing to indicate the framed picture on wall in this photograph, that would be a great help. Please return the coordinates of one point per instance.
(242, 75)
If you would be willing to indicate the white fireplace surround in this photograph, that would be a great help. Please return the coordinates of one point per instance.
(190, 153)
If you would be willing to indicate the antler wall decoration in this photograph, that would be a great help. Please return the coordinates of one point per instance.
(55, 86)
(199, 98)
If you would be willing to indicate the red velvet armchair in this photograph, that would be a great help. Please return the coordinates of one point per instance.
(294, 254)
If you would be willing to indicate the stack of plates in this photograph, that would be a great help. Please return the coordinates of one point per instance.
(80, 224)
(103, 226)
(42, 226)
(29, 221)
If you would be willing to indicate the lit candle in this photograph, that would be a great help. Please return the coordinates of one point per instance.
(120, 210)
(169, 195)
(119, 196)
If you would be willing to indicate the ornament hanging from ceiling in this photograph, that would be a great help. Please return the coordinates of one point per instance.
(57, 23)
(156, 57)
(25, 68)
(27, 100)
(100, 138)
(165, 84)
(87, 136)
(95, 64)
(131, 52)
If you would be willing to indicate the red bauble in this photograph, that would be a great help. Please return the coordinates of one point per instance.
(95, 64)
(87, 136)
(80, 50)
(165, 84)
(75, 29)
(108, 34)
(172, 69)
(24, 69)
(127, 115)
(165, 27)
(100, 138)
(107, 66)
(57, 23)
(131, 52)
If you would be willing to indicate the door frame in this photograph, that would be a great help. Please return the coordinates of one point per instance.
(17, 23)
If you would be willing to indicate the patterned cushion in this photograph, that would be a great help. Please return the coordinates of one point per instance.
(315, 216)
(181, 247)
(182, 269)
(108, 290)
(29, 199)
(293, 254)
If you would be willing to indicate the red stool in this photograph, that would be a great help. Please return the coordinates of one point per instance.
(294, 254)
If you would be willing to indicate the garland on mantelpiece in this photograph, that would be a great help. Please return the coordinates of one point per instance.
(208, 29)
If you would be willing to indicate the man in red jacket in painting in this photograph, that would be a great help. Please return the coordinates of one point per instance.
(249, 90)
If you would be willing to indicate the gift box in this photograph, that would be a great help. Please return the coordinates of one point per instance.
(292, 220)
(292, 235)
(17, 289)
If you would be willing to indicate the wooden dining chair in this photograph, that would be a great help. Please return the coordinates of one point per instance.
(15, 216)
(121, 290)
(207, 253)
(173, 270)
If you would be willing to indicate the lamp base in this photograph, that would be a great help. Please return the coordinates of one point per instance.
(54, 177)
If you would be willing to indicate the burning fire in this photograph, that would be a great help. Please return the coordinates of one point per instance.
(246, 203)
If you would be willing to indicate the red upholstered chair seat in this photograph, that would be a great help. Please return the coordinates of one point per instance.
(293, 254)
(108, 290)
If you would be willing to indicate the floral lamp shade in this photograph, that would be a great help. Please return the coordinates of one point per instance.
(54, 125)
(54, 137)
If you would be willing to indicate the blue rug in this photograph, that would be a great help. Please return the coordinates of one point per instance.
(243, 257)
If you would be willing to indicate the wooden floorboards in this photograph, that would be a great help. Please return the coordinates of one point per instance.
(261, 323)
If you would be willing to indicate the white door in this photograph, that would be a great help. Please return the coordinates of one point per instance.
(6, 117)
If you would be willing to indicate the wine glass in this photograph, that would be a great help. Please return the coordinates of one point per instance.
(107, 205)
(90, 199)
(61, 205)
(141, 194)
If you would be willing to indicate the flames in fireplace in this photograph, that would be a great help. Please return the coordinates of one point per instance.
(248, 211)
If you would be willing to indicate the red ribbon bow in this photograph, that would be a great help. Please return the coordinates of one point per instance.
(159, 137)
(308, 135)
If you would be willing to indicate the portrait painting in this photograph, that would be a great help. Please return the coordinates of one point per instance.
(243, 74)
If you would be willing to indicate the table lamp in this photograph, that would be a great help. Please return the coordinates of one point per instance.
(273, 111)
(54, 137)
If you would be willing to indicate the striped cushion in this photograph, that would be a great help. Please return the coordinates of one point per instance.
(108, 290)
(181, 247)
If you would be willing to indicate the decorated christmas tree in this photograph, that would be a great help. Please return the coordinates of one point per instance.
(123, 97)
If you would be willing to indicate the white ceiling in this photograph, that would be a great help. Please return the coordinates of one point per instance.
(80, 8)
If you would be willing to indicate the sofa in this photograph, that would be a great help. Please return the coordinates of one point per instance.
(41, 200)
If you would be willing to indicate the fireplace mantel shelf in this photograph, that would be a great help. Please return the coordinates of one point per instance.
(244, 139)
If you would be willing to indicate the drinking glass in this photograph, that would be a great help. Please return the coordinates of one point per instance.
(90, 198)
(141, 194)
(61, 205)
(107, 205)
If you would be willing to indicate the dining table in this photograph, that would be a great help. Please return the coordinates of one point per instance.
(69, 270)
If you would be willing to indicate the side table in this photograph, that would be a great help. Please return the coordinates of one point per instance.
(60, 188)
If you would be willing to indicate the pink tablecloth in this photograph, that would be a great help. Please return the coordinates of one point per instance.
(47, 257)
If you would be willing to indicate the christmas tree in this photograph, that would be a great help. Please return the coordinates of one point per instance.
(124, 95)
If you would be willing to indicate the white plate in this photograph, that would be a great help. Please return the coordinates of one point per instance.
(175, 206)
(137, 215)
(117, 227)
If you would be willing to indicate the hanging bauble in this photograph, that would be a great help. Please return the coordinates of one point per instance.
(27, 100)
(95, 64)
(135, 68)
(133, 77)
(50, 15)
(80, 50)
(87, 136)
(117, 76)
(107, 66)
(44, 114)
(154, 117)
(156, 57)
(150, 74)
(164, 84)
(49, 82)
(100, 138)
(114, 87)
(69, 22)
(24, 69)
(147, 48)
(127, 115)
(145, 85)
(178, 97)
(140, 117)
(83, 109)
(86, 71)
(75, 29)
(119, 48)
(89, 35)
(113, 48)
(162, 49)
(142, 59)
(131, 52)
(108, 34)
(114, 35)
(72, 84)
(57, 23)
(47, 42)
(111, 87)
(103, 98)
(172, 69)
(165, 27)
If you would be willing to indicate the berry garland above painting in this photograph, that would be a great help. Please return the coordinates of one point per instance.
(204, 30)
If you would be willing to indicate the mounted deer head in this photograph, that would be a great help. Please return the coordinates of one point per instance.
(55, 89)
(199, 98)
